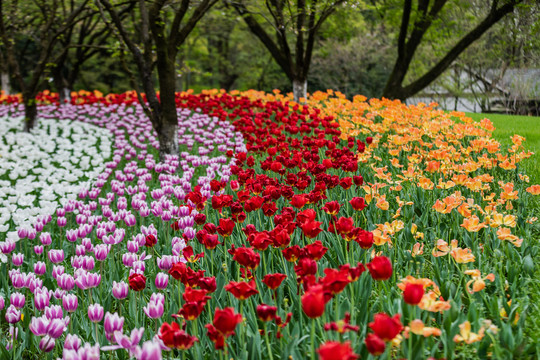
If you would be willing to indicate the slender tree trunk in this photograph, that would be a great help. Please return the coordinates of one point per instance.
(30, 111)
(5, 84)
(168, 128)
(299, 89)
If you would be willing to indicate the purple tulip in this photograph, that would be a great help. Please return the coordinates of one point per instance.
(72, 342)
(56, 256)
(70, 302)
(120, 290)
(56, 328)
(95, 313)
(39, 325)
(101, 251)
(54, 312)
(65, 282)
(45, 239)
(154, 308)
(41, 299)
(113, 323)
(13, 315)
(40, 268)
(17, 259)
(47, 344)
(162, 280)
(150, 351)
(17, 299)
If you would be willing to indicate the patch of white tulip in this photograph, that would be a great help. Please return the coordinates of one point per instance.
(45, 168)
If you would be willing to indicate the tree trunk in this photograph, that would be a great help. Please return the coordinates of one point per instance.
(167, 128)
(4, 81)
(168, 140)
(299, 89)
(393, 89)
(30, 112)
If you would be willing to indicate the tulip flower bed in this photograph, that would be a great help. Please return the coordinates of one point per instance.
(336, 230)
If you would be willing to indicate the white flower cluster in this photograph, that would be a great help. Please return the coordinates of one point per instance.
(49, 165)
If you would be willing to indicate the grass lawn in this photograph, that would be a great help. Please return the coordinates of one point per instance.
(526, 126)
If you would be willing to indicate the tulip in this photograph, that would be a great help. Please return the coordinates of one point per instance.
(314, 302)
(95, 313)
(413, 293)
(47, 344)
(335, 350)
(225, 321)
(386, 327)
(266, 312)
(120, 290)
(17, 299)
(137, 282)
(374, 344)
(380, 268)
(162, 280)
(150, 351)
(13, 315)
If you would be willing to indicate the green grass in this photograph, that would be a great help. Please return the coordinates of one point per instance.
(527, 126)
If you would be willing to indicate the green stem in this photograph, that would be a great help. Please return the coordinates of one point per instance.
(313, 339)
(268, 347)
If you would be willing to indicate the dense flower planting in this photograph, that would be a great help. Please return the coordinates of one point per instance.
(37, 170)
(335, 229)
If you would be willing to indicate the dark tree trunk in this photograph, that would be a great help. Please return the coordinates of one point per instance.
(407, 46)
(167, 126)
(30, 112)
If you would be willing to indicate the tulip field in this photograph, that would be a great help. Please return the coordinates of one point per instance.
(330, 229)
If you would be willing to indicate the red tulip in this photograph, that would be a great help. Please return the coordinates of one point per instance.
(363, 238)
(217, 338)
(137, 282)
(225, 321)
(380, 268)
(342, 326)
(375, 345)
(292, 253)
(178, 270)
(247, 257)
(358, 180)
(225, 227)
(386, 327)
(315, 250)
(358, 203)
(334, 350)
(314, 302)
(413, 293)
(273, 281)
(335, 281)
(173, 337)
(150, 240)
(332, 207)
(191, 310)
(344, 225)
(242, 290)
(266, 312)
(298, 201)
(311, 228)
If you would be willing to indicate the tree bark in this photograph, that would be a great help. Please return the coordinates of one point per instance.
(5, 84)
(168, 140)
(299, 89)
(167, 127)
(30, 111)
(406, 48)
